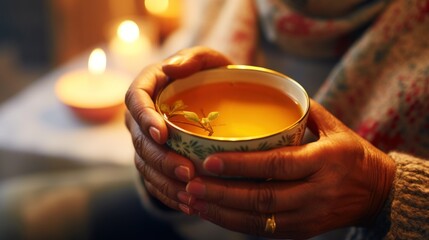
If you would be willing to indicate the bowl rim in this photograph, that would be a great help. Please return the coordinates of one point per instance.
(238, 139)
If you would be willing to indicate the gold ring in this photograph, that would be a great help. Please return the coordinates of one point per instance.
(270, 225)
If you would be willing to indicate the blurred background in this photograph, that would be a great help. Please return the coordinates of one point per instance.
(38, 35)
(66, 157)
(42, 40)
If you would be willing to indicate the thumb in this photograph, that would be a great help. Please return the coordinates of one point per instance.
(321, 122)
(189, 61)
(286, 163)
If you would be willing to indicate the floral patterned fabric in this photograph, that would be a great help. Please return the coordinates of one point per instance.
(383, 81)
(380, 88)
(312, 28)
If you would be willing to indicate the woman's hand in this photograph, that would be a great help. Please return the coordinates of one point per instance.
(164, 172)
(337, 181)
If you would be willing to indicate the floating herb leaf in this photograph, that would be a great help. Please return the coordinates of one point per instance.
(212, 116)
(191, 116)
(177, 109)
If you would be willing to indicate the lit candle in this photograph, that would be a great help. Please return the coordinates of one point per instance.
(93, 94)
(128, 42)
(131, 46)
(167, 12)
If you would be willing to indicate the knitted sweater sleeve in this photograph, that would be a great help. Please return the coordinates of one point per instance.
(406, 213)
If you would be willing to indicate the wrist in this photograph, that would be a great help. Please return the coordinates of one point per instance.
(384, 175)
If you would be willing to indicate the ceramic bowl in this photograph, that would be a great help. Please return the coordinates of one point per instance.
(197, 146)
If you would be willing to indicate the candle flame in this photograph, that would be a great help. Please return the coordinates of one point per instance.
(97, 61)
(128, 31)
(156, 6)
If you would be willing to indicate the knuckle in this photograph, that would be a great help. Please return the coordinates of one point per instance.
(156, 157)
(164, 188)
(138, 111)
(139, 115)
(129, 97)
(139, 164)
(138, 143)
(275, 164)
(265, 200)
(220, 197)
(159, 186)
(145, 149)
(146, 169)
(142, 167)
(152, 190)
(129, 121)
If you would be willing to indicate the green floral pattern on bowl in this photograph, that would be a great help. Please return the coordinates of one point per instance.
(197, 149)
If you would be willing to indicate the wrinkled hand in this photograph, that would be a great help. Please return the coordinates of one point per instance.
(336, 181)
(164, 172)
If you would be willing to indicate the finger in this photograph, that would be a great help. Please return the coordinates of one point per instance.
(262, 196)
(166, 200)
(298, 224)
(160, 196)
(139, 97)
(321, 122)
(139, 102)
(130, 123)
(192, 60)
(163, 188)
(287, 163)
(159, 157)
(166, 185)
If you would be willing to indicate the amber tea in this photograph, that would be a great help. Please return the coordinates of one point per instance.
(232, 110)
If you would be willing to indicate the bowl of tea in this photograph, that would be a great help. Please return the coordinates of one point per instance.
(233, 108)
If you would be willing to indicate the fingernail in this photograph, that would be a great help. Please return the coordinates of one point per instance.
(155, 134)
(196, 188)
(200, 206)
(183, 173)
(213, 165)
(176, 60)
(185, 198)
(185, 209)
